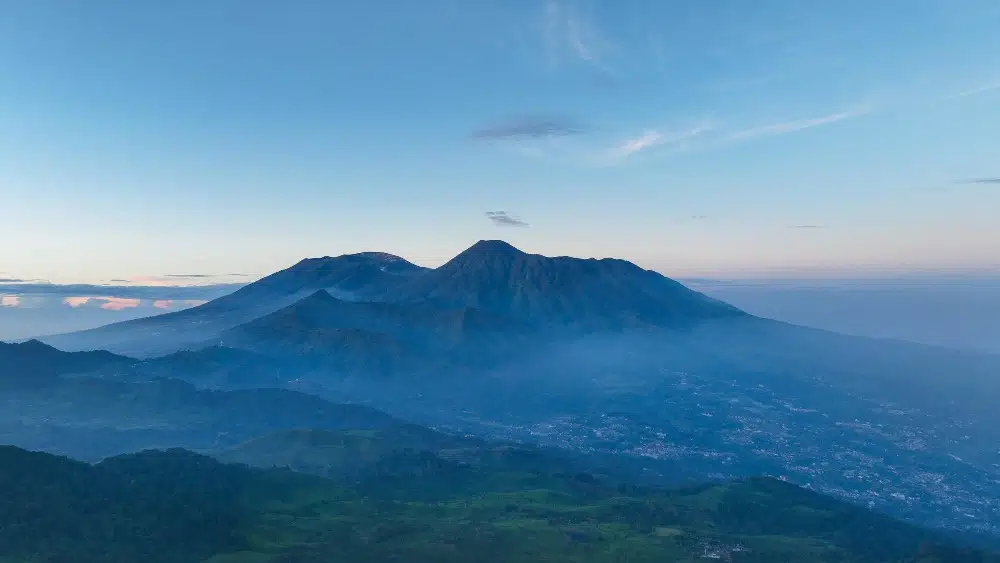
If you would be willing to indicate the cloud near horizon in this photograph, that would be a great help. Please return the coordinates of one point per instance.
(77, 292)
(119, 303)
(504, 219)
(75, 302)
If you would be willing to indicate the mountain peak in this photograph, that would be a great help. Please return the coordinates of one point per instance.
(593, 294)
(492, 247)
(379, 257)
(35, 345)
(318, 296)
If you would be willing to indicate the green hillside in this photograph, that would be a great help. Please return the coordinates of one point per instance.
(177, 506)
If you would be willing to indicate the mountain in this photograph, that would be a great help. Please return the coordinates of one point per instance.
(91, 418)
(33, 362)
(586, 293)
(351, 276)
(175, 506)
(491, 282)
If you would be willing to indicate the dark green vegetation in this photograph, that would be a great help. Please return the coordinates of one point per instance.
(176, 507)
(346, 455)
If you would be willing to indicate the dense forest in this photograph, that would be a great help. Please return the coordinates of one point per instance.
(176, 506)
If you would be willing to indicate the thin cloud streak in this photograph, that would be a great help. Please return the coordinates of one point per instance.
(702, 137)
(651, 139)
(504, 219)
(632, 146)
(567, 32)
(974, 91)
(981, 181)
(794, 126)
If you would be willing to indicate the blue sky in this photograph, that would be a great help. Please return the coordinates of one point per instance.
(140, 140)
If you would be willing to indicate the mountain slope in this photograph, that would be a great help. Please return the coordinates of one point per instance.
(585, 293)
(33, 362)
(378, 337)
(351, 275)
(217, 367)
(91, 418)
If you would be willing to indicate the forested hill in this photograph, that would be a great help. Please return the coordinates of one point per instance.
(175, 506)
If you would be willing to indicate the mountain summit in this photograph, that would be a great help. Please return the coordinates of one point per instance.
(494, 276)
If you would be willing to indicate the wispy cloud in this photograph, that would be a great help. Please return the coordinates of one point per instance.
(807, 227)
(192, 276)
(567, 31)
(650, 139)
(545, 138)
(11, 280)
(979, 90)
(981, 181)
(504, 219)
(786, 127)
(632, 146)
(699, 217)
(528, 128)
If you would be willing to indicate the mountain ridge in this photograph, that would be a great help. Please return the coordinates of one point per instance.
(348, 274)
(590, 294)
